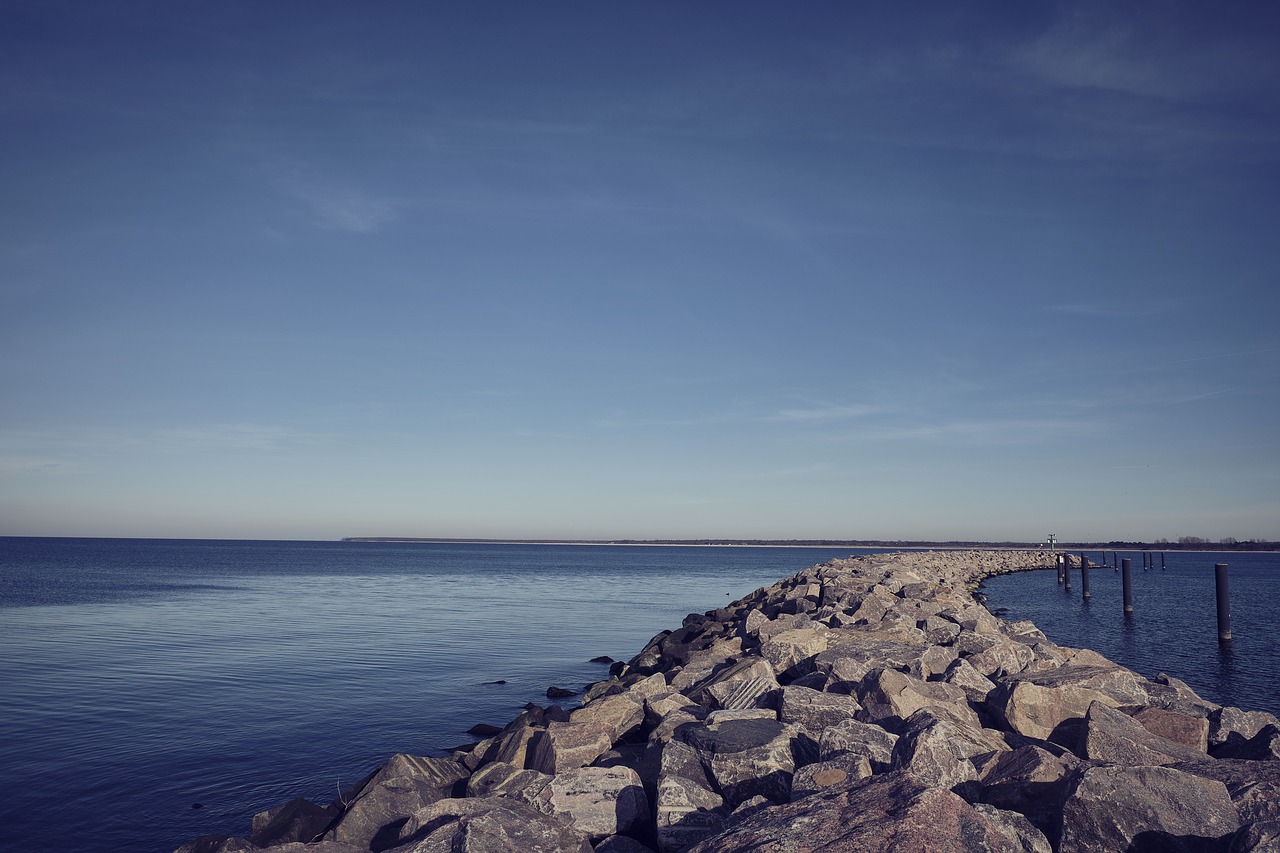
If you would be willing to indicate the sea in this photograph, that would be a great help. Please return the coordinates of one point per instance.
(155, 690)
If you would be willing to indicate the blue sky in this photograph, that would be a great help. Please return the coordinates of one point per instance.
(936, 270)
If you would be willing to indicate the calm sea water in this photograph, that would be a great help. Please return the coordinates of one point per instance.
(142, 676)
(1174, 627)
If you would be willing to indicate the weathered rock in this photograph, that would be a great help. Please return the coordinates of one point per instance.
(1254, 786)
(297, 820)
(812, 778)
(937, 750)
(977, 687)
(599, 801)
(1037, 711)
(565, 746)
(746, 757)
(1232, 726)
(852, 653)
(619, 714)
(499, 779)
(398, 789)
(889, 697)
(791, 653)
(1029, 780)
(1117, 738)
(1190, 730)
(489, 825)
(1257, 838)
(1263, 746)
(813, 711)
(1016, 826)
(893, 811)
(852, 737)
(738, 685)
(315, 847)
(688, 807)
(1145, 809)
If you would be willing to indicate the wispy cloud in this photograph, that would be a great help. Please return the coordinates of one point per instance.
(826, 413)
(35, 445)
(1194, 397)
(13, 465)
(1115, 311)
(343, 208)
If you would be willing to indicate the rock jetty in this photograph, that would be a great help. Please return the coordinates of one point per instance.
(870, 703)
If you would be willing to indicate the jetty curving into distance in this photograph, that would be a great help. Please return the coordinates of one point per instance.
(861, 704)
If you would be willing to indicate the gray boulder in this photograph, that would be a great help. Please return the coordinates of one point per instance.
(688, 807)
(297, 820)
(386, 800)
(489, 825)
(893, 811)
(1117, 738)
(1145, 809)
(746, 757)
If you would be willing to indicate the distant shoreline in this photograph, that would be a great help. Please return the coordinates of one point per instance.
(1202, 548)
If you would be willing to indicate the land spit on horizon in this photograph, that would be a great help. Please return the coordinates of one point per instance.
(864, 703)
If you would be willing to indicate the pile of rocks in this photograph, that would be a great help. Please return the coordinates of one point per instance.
(869, 703)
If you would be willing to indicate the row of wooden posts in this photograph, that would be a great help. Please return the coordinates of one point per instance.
(1123, 565)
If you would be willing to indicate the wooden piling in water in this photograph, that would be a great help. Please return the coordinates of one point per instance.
(1126, 581)
(1223, 589)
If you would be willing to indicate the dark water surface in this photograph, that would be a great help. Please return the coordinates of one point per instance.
(1174, 627)
(138, 677)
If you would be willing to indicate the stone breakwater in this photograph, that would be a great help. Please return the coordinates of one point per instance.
(862, 704)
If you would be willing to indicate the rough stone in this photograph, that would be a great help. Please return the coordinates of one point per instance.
(1257, 838)
(1190, 730)
(619, 714)
(1145, 809)
(893, 811)
(688, 807)
(1029, 780)
(746, 757)
(937, 750)
(599, 801)
(297, 820)
(1232, 726)
(814, 711)
(565, 746)
(791, 653)
(489, 825)
(853, 737)
(1117, 738)
(385, 801)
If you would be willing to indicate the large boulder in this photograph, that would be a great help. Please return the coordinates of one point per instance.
(1117, 738)
(893, 811)
(598, 801)
(688, 807)
(746, 757)
(1031, 781)
(386, 800)
(938, 750)
(489, 825)
(565, 746)
(297, 820)
(1145, 809)
(620, 714)
(813, 710)
(853, 737)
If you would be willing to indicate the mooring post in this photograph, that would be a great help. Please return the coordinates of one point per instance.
(1162, 561)
(1223, 584)
(1058, 563)
(1066, 572)
(1126, 581)
(1115, 561)
(1084, 577)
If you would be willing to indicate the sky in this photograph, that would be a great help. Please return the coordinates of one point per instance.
(932, 270)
